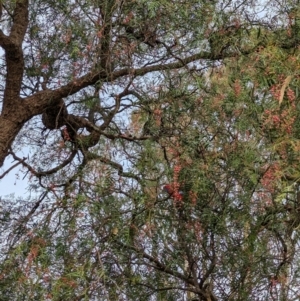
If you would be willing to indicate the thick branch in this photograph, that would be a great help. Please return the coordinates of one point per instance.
(106, 10)
(20, 19)
(14, 54)
(4, 40)
(35, 102)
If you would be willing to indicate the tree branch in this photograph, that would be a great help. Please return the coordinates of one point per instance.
(44, 173)
(14, 55)
(161, 267)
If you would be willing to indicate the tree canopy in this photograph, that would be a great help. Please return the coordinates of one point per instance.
(160, 140)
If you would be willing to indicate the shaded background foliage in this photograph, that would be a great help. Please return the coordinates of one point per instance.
(133, 95)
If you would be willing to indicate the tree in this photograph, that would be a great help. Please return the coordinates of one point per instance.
(110, 101)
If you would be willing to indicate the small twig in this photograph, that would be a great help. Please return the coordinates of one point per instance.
(12, 167)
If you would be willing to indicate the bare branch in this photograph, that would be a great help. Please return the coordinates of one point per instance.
(48, 172)
(11, 168)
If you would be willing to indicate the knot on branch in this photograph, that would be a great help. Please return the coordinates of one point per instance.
(55, 116)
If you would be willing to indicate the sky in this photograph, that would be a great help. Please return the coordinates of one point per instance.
(13, 183)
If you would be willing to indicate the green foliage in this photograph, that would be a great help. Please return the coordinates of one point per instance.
(221, 128)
